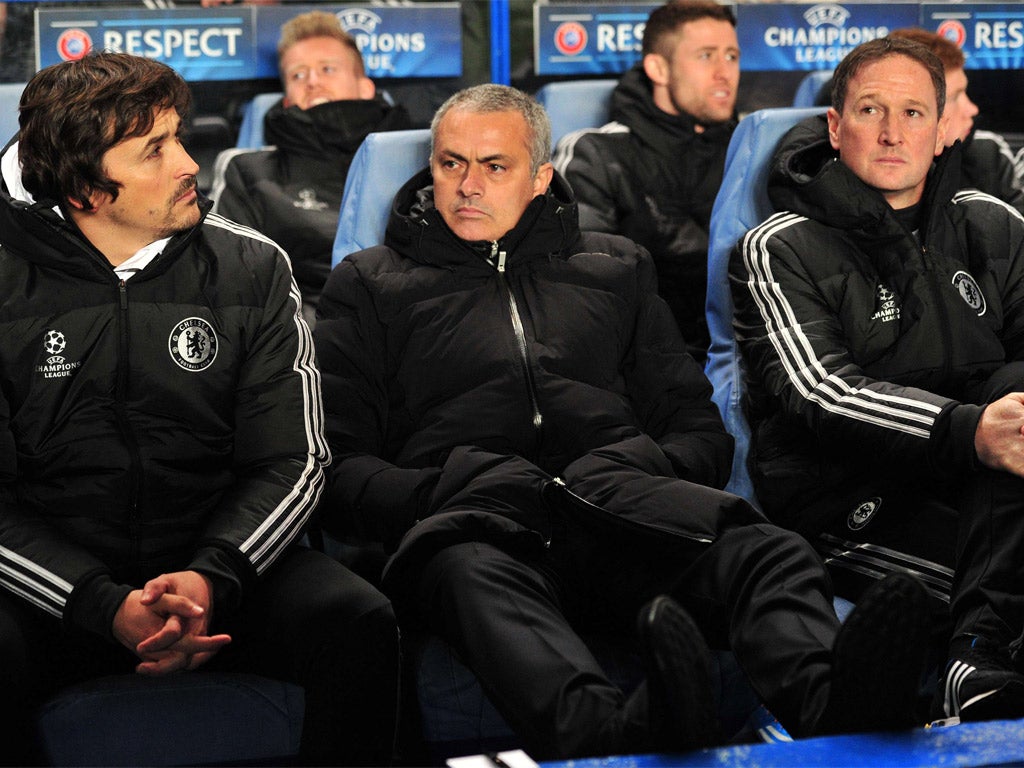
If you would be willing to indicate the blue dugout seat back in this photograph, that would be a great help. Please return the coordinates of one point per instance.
(576, 104)
(807, 92)
(381, 165)
(250, 131)
(10, 97)
(742, 203)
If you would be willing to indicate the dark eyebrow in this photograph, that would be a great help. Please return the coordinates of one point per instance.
(158, 139)
(499, 157)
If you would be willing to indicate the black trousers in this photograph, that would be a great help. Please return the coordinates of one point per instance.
(310, 621)
(758, 590)
(988, 587)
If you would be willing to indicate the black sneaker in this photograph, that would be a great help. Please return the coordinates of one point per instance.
(878, 659)
(980, 683)
(677, 662)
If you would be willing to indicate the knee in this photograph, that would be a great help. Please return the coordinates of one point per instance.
(764, 541)
(457, 567)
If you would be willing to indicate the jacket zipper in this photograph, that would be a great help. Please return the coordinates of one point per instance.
(121, 395)
(588, 508)
(520, 333)
(946, 330)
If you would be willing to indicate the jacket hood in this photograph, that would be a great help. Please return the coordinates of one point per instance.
(633, 106)
(806, 177)
(39, 231)
(550, 224)
(337, 127)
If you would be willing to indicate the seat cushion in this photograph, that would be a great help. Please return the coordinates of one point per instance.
(189, 718)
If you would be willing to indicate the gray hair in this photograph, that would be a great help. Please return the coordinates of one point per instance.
(502, 98)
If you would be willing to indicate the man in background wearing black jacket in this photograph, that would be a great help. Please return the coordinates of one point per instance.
(161, 442)
(291, 191)
(653, 172)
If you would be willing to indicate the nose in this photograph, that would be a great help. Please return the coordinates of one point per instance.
(972, 108)
(891, 133)
(471, 185)
(186, 165)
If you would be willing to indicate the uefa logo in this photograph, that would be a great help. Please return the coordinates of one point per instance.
(570, 38)
(954, 31)
(73, 44)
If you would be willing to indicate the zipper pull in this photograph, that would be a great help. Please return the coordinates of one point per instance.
(501, 261)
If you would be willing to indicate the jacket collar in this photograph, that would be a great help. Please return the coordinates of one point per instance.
(337, 127)
(549, 225)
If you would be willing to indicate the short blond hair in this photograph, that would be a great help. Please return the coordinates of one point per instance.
(317, 24)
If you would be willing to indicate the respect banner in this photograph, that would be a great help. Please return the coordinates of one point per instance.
(240, 43)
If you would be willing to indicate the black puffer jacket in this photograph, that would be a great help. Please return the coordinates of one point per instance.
(440, 355)
(166, 423)
(866, 346)
(651, 177)
(292, 192)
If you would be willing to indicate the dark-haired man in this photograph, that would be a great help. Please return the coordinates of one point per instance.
(653, 172)
(881, 315)
(160, 441)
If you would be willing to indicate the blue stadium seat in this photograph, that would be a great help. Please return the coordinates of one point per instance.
(192, 718)
(575, 104)
(742, 203)
(807, 92)
(382, 164)
(250, 132)
(10, 97)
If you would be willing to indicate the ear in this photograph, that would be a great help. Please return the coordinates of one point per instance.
(367, 90)
(833, 128)
(542, 180)
(940, 136)
(656, 68)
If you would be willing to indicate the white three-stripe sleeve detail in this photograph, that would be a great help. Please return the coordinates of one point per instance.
(805, 372)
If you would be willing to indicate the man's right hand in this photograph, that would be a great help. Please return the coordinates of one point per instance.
(169, 618)
(999, 438)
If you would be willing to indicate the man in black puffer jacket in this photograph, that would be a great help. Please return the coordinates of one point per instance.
(291, 191)
(161, 440)
(653, 172)
(490, 347)
(881, 317)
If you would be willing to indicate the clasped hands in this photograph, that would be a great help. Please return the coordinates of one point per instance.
(166, 623)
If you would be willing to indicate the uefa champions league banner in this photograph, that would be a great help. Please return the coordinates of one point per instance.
(240, 43)
(587, 39)
(423, 40)
(991, 35)
(813, 36)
